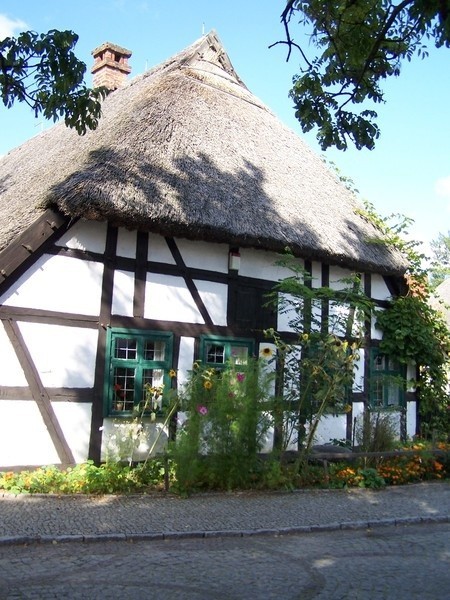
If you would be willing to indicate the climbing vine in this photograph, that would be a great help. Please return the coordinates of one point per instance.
(415, 331)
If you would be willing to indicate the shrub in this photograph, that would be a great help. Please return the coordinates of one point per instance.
(227, 422)
(86, 478)
(376, 432)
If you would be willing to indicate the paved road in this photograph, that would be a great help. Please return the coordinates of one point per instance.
(403, 563)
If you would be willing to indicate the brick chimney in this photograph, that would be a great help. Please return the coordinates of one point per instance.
(111, 66)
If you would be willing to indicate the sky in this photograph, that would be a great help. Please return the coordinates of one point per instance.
(407, 173)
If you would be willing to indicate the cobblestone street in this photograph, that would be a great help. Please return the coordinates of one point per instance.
(312, 544)
(405, 562)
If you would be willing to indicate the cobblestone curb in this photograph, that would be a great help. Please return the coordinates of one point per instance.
(173, 535)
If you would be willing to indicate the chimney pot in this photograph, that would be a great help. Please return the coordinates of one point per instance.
(111, 66)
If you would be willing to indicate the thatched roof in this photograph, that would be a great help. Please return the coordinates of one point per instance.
(187, 150)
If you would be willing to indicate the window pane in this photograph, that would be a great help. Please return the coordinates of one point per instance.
(392, 365)
(154, 350)
(379, 363)
(239, 355)
(215, 353)
(126, 348)
(393, 394)
(153, 380)
(124, 380)
(377, 392)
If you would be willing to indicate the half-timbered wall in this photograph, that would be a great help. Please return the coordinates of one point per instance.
(56, 315)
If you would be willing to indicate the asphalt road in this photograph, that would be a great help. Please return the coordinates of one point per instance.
(403, 563)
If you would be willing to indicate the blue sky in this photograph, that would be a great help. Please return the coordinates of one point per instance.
(407, 173)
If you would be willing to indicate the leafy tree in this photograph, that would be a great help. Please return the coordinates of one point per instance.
(317, 365)
(359, 44)
(42, 71)
(440, 266)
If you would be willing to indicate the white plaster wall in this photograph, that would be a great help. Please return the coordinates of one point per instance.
(316, 315)
(358, 380)
(411, 412)
(336, 276)
(11, 373)
(363, 280)
(268, 352)
(410, 377)
(167, 298)
(261, 264)
(204, 255)
(267, 445)
(59, 283)
(357, 410)
(393, 416)
(85, 235)
(396, 419)
(338, 319)
(375, 333)
(380, 291)
(158, 250)
(316, 274)
(126, 243)
(185, 359)
(338, 316)
(74, 419)
(284, 317)
(121, 442)
(64, 356)
(185, 362)
(123, 293)
(24, 439)
(331, 427)
(215, 297)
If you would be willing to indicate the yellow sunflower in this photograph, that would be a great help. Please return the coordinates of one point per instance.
(266, 352)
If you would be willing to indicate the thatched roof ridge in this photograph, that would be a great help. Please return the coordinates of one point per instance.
(187, 150)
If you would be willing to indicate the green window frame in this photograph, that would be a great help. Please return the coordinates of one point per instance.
(217, 351)
(387, 381)
(137, 361)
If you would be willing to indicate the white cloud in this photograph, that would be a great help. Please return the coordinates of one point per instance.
(442, 187)
(11, 27)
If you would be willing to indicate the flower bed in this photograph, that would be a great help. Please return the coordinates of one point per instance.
(159, 474)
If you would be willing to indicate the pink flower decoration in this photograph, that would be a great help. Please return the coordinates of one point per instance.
(202, 410)
(240, 377)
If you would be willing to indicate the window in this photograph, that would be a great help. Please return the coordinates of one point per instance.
(387, 379)
(217, 351)
(138, 364)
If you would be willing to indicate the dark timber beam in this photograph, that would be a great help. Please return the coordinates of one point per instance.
(31, 240)
(95, 442)
(184, 272)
